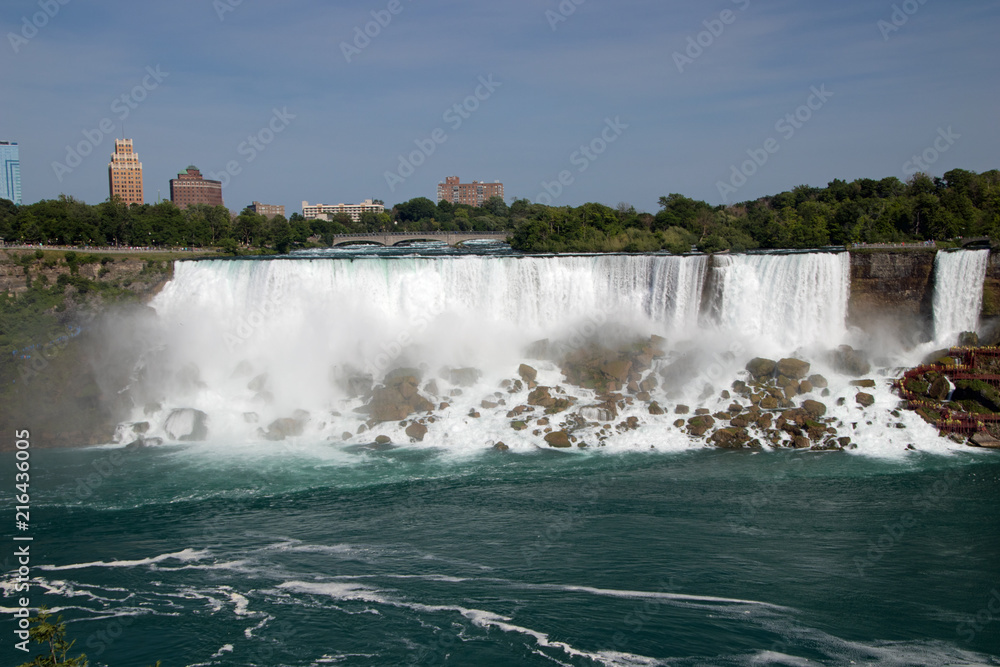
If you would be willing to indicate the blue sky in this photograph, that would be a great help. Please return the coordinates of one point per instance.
(558, 71)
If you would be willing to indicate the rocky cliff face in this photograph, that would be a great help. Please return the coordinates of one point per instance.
(892, 289)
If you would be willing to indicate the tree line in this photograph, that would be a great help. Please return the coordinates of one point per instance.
(960, 203)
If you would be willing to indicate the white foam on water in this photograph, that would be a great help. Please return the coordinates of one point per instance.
(186, 555)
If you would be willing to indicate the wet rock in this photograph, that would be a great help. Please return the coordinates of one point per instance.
(416, 431)
(801, 442)
(814, 408)
(699, 425)
(558, 439)
(796, 369)
(463, 377)
(805, 387)
(984, 439)
(346, 435)
(282, 428)
(769, 403)
(845, 359)
(382, 440)
(488, 405)
(761, 368)
(187, 425)
(679, 423)
(864, 400)
(649, 384)
(655, 409)
(730, 438)
(617, 370)
(431, 388)
(869, 384)
(501, 447)
(682, 410)
(939, 388)
(527, 373)
(818, 381)
(518, 425)
(968, 339)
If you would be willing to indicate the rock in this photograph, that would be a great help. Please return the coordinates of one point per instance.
(682, 410)
(939, 388)
(845, 359)
(282, 428)
(730, 438)
(558, 439)
(527, 373)
(818, 381)
(501, 447)
(976, 390)
(258, 383)
(741, 421)
(679, 423)
(432, 388)
(801, 442)
(463, 377)
(805, 387)
(867, 384)
(541, 396)
(382, 440)
(617, 370)
(702, 411)
(649, 384)
(968, 339)
(814, 408)
(796, 369)
(984, 439)
(765, 421)
(540, 349)
(416, 431)
(655, 409)
(761, 368)
(700, 425)
(488, 405)
(864, 400)
(791, 391)
(769, 403)
(346, 435)
(187, 425)
(518, 425)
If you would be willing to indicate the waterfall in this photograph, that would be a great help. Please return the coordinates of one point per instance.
(792, 300)
(958, 292)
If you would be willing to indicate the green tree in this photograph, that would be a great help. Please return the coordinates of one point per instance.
(52, 636)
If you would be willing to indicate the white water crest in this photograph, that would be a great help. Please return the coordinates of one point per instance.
(958, 293)
(793, 300)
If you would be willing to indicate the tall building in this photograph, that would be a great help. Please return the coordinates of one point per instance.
(10, 176)
(327, 211)
(473, 194)
(191, 188)
(125, 173)
(267, 210)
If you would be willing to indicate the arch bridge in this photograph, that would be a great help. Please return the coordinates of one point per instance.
(400, 238)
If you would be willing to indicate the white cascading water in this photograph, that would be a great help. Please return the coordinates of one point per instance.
(958, 293)
(790, 300)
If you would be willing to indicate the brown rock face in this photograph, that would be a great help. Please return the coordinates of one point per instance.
(416, 431)
(761, 368)
(796, 369)
(864, 400)
(527, 373)
(558, 439)
(814, 408)
(895, 290)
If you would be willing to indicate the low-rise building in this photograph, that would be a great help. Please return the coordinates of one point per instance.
(267, 210)
(327, 211)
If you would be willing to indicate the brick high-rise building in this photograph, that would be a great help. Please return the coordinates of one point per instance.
(191, 188)
(473, 194)
(125, 173)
